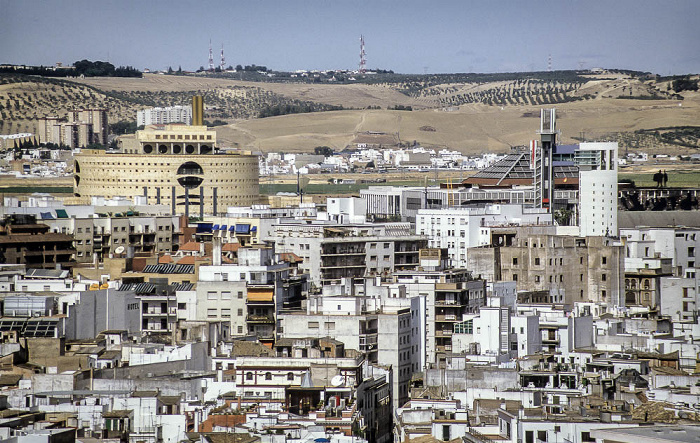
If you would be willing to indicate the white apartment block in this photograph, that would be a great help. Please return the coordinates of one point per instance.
(597, 164)
(161, 116)
(458, 229)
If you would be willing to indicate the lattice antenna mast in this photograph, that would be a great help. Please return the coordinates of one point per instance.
(363, 60)
(223, 60)
(549, 63)
(211, 57)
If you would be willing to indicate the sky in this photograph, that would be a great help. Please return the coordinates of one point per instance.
(405, 36)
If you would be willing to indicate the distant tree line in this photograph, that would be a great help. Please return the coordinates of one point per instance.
(82, 67)
(298, 108)
(684, 84)
(124, 127)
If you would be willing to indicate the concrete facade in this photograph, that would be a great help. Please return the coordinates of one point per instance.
(166, 160)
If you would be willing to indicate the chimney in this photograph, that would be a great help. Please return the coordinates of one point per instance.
(197, 110)
(216, 253)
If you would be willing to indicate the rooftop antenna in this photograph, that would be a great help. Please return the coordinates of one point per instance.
(211, 57)
(223, 60)
(363, 60)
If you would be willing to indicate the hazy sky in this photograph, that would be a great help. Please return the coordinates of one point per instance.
(406, 36)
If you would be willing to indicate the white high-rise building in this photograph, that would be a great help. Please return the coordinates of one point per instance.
(458, 229)
(162, 116)
(597, 164)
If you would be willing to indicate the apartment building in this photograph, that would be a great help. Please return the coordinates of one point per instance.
(458, 229)
(333, 251)
(166, 115)
(449, 295)
(377, 320)
(249, 295)
(567, 269)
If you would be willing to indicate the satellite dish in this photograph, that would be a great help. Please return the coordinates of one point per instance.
(338, 380)
(119, 250)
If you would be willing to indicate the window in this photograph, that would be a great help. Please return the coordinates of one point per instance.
(240, 329)
(542, 435)
(537, 279)
(268, 376)
(313, 325)
(226, 313)
(604, 277)
(240, 294)
(226, 295)
(515, 260)
(515, 277)
(537, 261)
(290, 376)
(249, 376)
(329, 325)
(240, 312)
(211, 295)
(605, 260)
(211, 313)
(182, 306)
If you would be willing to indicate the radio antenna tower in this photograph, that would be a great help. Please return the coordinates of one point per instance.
(211, 57)
(549, 63)
(223, 60)
(363, 60)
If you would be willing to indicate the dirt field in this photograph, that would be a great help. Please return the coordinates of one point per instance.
(473, 129)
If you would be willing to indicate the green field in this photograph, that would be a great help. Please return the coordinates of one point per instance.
(33, 189)
(690, 179)
(324, 188)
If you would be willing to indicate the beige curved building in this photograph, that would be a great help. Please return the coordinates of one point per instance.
(177, 165)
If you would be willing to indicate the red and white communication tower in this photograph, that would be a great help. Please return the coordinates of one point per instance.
(363, 60)
(222, 66)
(211, 57)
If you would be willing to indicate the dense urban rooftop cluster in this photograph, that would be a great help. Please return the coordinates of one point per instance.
(521, 305)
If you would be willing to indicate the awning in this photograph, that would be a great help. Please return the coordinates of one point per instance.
(46, 216)
(232, 228)
(215, 228)
(224, 227)
(61, 213)
(242, 229)
(203, 227)
(253, 228)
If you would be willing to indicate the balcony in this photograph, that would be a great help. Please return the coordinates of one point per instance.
(448, 303)
(368, 342)
(443, 333)
(155, 313)
(446, 317)
(344, 253)
(260, 319)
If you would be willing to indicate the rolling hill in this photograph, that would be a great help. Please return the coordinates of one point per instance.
(471, 113)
